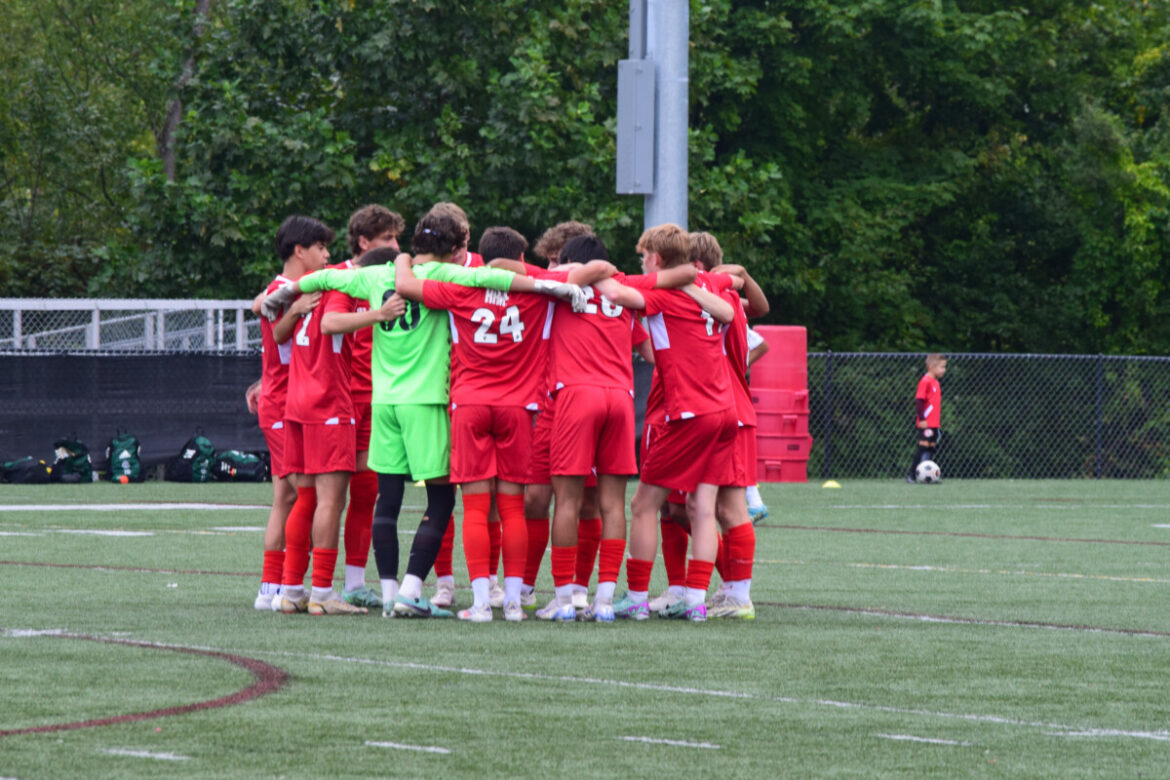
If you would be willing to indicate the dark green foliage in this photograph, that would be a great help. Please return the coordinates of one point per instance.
(898, 175)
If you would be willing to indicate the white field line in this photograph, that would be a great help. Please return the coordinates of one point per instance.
(672, 742)
(194, 507)
(117, 532)
(956, 570)
(397, 746)
(927, 740)
(1080, 731)
(1160, 736)
(145, 754)
(1000, 506)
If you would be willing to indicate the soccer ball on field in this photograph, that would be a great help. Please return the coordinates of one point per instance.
(927, 473)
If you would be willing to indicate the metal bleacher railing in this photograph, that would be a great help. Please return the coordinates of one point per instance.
(128, 325)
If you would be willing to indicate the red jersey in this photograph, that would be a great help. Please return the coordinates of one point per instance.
(319, 376)
(274, 360)
(359, 344)
(498, 340)
(735, 346)
(473, 260)
(593, 347)
(931, 395)
(688, 350)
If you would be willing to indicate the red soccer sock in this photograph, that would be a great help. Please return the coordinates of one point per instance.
(638, 574)
(359, 517)
(476, 542)
(324, 562)
(538, 530)
(298, 533)
(273, 569)
(588, 540)
(610, 562)
(721, 558)
(495, 536)
(563, 559)
(740, 543)
(699, 574)
(674, 552)
(514, 533)
(444, 566)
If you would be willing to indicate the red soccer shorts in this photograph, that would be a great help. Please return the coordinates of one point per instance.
(743, 459)
(490, 441)
(692, 451)
(363, 412)
(594, 426)
(274, 436)
(321, 448)
(538, 458)
(651, 433)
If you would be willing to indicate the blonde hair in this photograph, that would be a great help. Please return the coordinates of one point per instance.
(550, 244)
(934, 358)
(705, 250)
(448, 209)
(669, 241)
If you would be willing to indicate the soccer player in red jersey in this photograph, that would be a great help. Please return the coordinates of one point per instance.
(321, 439)
(733, 599)
(928, 411)
(690, 453)
(294, 245)
(497, 339)
(370, 227)
(591, 377)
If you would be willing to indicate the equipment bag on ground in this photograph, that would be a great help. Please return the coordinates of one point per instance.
(194, 462)
(237, 466)
(73, 464)
(123, 453)
(26, 471)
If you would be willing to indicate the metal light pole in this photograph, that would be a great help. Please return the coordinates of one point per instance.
(653, 94)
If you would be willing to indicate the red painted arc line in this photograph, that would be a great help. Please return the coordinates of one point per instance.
(960, 534)
(141, 569)
(269, 678)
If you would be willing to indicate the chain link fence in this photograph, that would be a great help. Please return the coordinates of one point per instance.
(127, 325)
(1003, 416)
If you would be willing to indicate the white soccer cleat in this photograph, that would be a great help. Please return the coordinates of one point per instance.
(667, 599)
(444, 597)
(548, 610)
(580, 599)
(263, 601)
(474, 614)
(496, 596)
(513, 612)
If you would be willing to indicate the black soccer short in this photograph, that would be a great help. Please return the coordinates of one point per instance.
(935, 435)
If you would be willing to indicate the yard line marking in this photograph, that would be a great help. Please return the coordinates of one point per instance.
(959, 534)
(101, 532)
(419, 748)
(19, 533)
(920, 506)
(1161, 736)
(145, 507)
(234, 528)
(145, 754)
(927, 740)
(956, 570)
(137, 569)
(672, 742)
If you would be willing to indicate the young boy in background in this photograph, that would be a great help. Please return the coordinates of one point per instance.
(928, 412)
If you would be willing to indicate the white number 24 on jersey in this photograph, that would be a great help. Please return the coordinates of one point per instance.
(510, 325)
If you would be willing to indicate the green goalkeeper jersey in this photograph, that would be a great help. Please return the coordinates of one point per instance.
(411, 361)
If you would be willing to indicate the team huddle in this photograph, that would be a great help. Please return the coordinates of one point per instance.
(515, 383)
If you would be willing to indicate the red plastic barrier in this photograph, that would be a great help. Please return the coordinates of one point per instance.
(779, 385)
(785, 365)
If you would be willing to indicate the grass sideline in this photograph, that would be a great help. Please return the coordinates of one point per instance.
(972, 628)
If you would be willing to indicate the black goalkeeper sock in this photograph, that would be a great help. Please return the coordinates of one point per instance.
(429, 537)
(384, 536)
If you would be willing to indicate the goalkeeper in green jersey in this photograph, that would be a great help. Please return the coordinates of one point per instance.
(411, 365)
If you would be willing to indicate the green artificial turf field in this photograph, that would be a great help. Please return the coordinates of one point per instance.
(971, 628)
